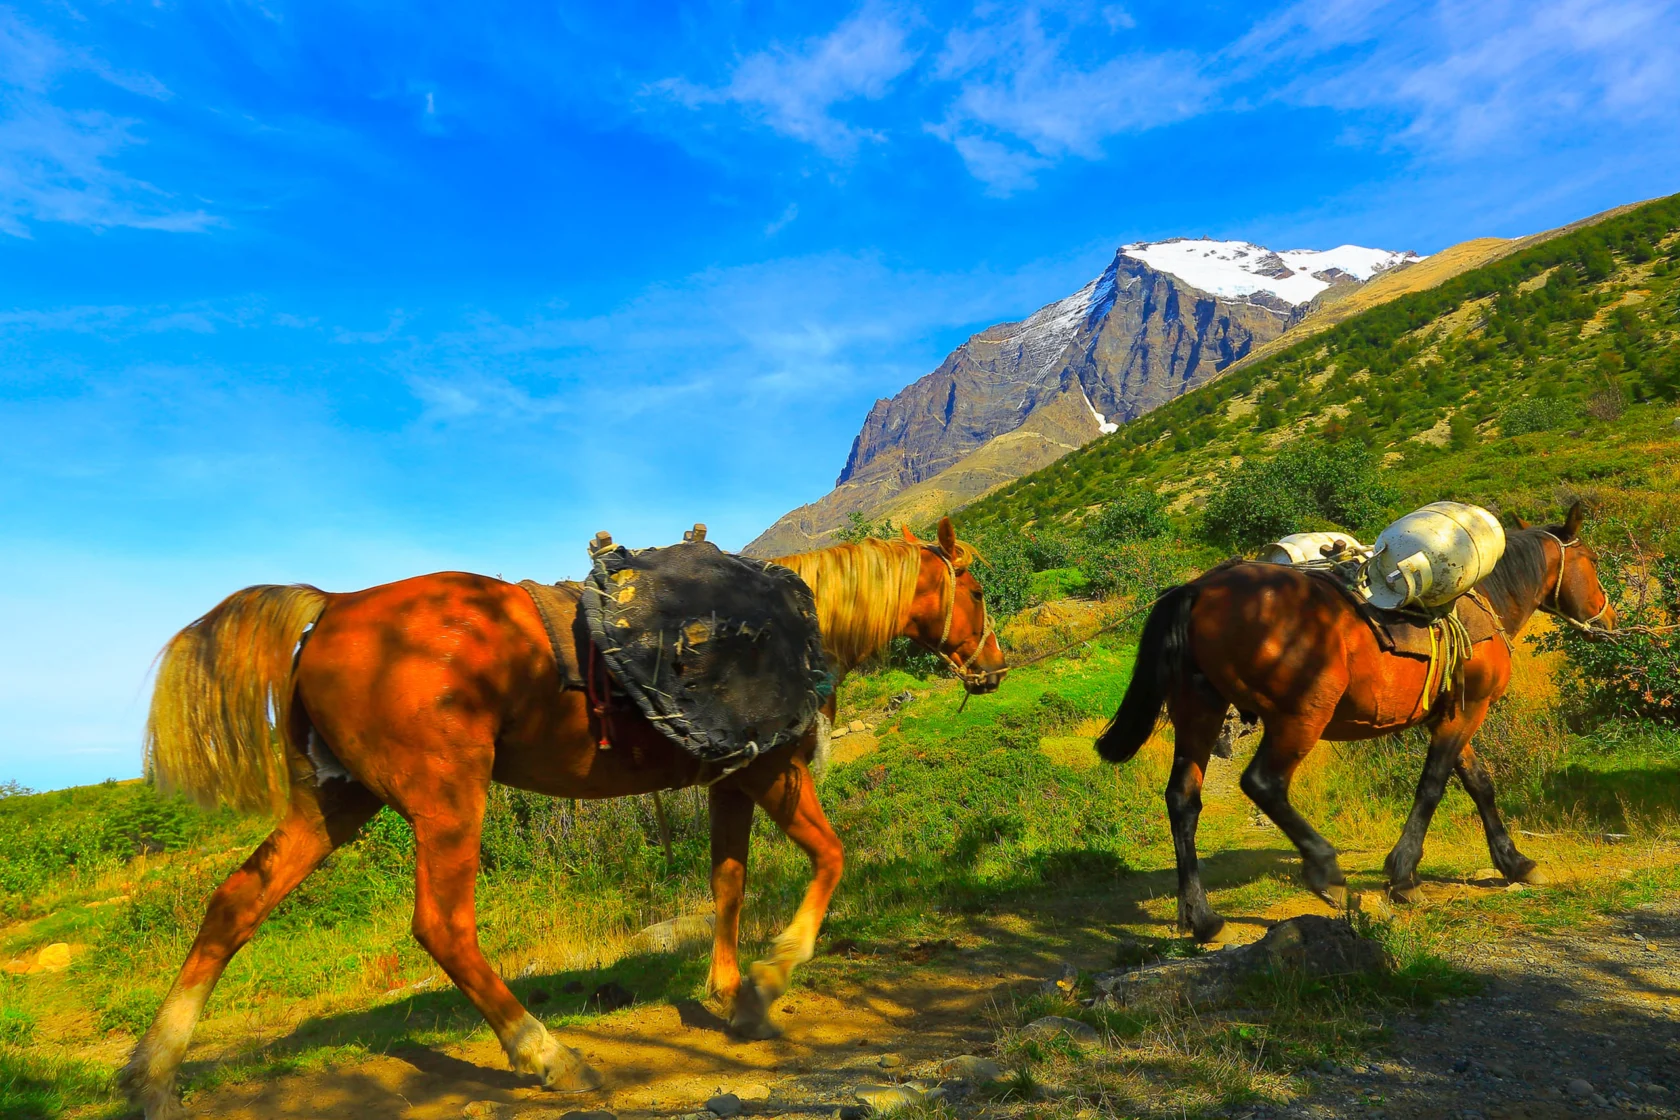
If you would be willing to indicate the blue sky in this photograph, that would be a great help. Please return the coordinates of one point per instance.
(342, 293)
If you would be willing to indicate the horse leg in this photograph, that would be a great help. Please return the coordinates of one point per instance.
(1447, 742)
(1195, 729)
(731, 817)
(1266, 781)
(319, 819)
(1516, 867)
(446, 854)
(789, 796)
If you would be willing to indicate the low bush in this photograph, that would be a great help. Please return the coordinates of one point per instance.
(1305, 484)
(1136, 513)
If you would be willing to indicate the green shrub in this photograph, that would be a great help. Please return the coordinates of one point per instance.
(1135, 513)
(1048, 549)
(1139, 569)
(1630, 675)
(1534, 414)
(1303, 484)
(1005, 572)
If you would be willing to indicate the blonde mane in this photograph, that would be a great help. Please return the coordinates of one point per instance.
(864, 591)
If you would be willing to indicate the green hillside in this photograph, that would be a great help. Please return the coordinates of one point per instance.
(1548, 375)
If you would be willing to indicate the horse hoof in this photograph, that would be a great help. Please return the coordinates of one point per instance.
(574, 1076)
(1405, 893)
(752, 1014)
(1335, 894)
(1535, 876)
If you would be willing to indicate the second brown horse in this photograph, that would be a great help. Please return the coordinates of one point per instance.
(1288, 648)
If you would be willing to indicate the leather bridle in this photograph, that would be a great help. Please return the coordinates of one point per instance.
(1555, 608)
(958, 665)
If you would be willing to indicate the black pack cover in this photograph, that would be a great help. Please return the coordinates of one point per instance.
(721, 652)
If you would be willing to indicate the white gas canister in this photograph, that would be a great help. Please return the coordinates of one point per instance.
(1433, 555)
(1308, 548)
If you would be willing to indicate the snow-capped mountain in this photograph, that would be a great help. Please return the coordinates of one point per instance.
(1163, 318)
(1238, 268)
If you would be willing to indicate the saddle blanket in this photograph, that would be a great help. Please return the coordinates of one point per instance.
(721, 652)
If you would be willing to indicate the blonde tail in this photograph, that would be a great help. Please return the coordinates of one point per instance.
(217, 727)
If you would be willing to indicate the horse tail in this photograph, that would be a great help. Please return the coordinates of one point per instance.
(217, 727)
(1163, 652)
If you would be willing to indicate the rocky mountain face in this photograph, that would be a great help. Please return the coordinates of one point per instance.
(1163, 318)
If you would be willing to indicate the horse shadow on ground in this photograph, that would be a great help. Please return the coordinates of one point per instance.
(1057, 902)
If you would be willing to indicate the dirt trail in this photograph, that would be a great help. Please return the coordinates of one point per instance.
(1594, 1003)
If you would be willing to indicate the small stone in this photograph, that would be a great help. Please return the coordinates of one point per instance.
(1580, 1088)
(1052, 1025)
(1650, 946)
(1461, 1065)
(1599, 1100)
(597, 1114)
(1655, 1090)
(838, 732)
(1486, 873)
(724, 1104)
(753, 1092)
(478, 1110)
(1552, 1093)
(891, 1061)
(884, 1099)
(857, 725)
(54, 958)
(967, 1067)
(1500, 1071)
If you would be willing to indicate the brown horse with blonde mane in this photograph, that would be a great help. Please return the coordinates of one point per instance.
(1290, 649)
(320, 708)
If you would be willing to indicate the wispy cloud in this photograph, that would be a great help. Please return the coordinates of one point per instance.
(1023, 101)
(1022, 88)
(1464, 76)
(57, 164)
(795, 90)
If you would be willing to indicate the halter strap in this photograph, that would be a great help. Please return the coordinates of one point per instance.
(1555, 609)
(958, 666)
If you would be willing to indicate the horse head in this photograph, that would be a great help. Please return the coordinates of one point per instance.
(948, 615)
(1576, 596)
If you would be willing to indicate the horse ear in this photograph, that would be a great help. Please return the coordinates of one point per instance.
(908, 535)
(1572, 523)
(1521, 524)
(947, 537)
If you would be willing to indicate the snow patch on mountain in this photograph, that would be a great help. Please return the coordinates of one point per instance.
(1239, 268)
(1103, 425)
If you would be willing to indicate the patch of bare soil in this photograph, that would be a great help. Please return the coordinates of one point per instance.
(1582, 1022)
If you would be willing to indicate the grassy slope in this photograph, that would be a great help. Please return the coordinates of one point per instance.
(952, 819)
(1594, 310)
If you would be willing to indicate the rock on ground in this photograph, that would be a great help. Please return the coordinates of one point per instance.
(674, 935)
(1310, 944)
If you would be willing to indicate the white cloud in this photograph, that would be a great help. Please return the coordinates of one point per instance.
(795, 91)
(1023, 102)
(1021, 88)
(1469, 76)
(782, 221)
(56, 163)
